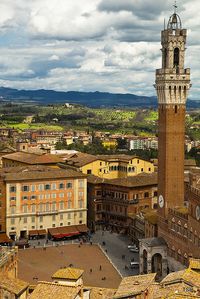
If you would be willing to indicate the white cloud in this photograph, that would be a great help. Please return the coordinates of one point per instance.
(104, 45)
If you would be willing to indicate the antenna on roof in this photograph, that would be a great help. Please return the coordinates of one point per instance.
(175, 6)
(164, 24)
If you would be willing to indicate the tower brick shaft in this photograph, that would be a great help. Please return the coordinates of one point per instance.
(172, 85)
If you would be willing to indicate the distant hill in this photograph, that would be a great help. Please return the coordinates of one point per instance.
(90, 99)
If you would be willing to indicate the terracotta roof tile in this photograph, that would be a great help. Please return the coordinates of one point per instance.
(49, 290)
(68, 273)
(37, 173)
(187, 275)
(32, 158)
(133, 181)
(78, 159)
(101, 293)
(194, 264)
(12, 285)
(134, 285)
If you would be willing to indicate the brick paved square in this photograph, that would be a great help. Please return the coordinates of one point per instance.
(42, 264)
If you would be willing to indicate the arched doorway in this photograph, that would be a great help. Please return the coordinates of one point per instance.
(156, 265)
(144, 261)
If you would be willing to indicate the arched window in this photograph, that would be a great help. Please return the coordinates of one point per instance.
(185, 91)
(176, 57)
(180, 91)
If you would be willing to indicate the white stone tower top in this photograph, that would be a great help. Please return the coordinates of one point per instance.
(173, 80)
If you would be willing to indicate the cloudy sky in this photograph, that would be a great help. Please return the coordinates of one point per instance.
(89, 45)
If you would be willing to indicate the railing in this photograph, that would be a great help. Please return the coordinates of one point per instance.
(179, 214)
(195, 190)
(109, 197)
(40, 213)
(173, 71)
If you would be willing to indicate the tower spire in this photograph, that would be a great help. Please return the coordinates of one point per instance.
(175, 7)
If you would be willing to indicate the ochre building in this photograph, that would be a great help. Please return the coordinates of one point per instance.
(40, 197)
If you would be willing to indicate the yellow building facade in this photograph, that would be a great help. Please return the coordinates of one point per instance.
(122, 166)
(108, 166)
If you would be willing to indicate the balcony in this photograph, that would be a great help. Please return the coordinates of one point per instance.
(43, 213)
(178, 213)
(134, 201)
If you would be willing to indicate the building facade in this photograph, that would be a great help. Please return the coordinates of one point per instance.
(108, 166)
(9, 261)
(111, 202)
(39, 198)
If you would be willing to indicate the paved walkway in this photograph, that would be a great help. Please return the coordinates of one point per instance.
(116, 246)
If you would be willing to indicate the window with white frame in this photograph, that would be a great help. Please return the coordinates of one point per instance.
(41, 187)
(40, 207)
(81, 195)
(25, 208)
(12, 198)
(69, 194)
(53, 206)
(80, 183)
(47, 196)
(61, 186)
(12, 188)
(33, 208)
(25, 188)
(69, 185)
(53, 186)
(47, 206)
(13, 209)
(47, 187)
(80, 203)
(12, 221)
(69, 204)
(33, 188)
(61, 205)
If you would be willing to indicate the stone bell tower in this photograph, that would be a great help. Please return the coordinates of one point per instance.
(172, 86)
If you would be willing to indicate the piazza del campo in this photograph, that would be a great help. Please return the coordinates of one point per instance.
(76, 225)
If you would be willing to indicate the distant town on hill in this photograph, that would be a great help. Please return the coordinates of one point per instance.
(90, 99)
